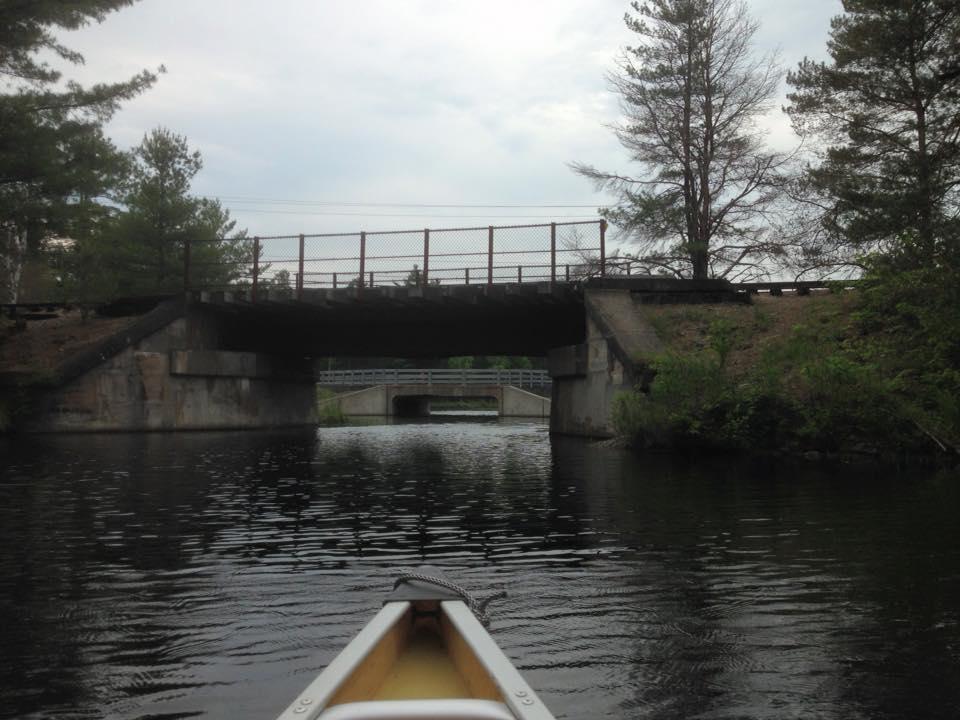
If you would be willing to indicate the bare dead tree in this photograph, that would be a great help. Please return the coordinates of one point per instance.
(691, 93)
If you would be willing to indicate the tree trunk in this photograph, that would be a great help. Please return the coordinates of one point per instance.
(925, 211)
(689, 193)
(701, 252)
(13, 251)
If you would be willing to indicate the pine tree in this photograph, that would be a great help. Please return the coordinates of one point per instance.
(887, 108)
(141, 250)
(691, 92)
(54, 158)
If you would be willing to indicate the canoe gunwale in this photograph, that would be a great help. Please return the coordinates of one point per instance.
(317, 695)
(516, 694)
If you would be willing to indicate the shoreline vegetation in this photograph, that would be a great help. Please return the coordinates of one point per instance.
(328, 411)
(850, 375)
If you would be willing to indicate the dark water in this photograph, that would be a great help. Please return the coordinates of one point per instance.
(213, 575)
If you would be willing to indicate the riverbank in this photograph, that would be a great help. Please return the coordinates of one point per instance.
(39, 346)
(33, 352)
(792, 374)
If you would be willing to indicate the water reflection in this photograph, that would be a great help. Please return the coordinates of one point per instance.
(213, 574)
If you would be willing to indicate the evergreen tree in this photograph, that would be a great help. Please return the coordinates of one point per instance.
(691, 92)
(141, 250)
(887, 107)
(54, 159)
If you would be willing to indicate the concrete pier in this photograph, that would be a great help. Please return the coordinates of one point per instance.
(619, 344)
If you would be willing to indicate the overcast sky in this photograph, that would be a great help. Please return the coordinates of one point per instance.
(300, 104)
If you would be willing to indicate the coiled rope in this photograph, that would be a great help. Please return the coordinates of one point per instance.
(477, 607)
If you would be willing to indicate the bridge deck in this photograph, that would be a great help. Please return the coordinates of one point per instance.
(510, 319)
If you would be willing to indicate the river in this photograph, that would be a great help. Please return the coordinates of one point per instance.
(212, 575)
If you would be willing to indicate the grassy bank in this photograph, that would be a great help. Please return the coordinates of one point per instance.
(785, 374)
(328, 409)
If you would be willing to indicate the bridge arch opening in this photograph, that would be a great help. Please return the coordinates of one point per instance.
(424, 405)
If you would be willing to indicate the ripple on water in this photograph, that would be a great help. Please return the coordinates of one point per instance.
(213, 575)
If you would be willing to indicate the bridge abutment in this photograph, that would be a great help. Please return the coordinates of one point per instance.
(157, 380)
(619, 344)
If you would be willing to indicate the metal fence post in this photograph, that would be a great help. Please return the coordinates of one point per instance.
(186, 265)
(553, 253)
(603, 247)
(426, 255)
(490, 255)
(256, 268)
(363, 257)
(300, 271)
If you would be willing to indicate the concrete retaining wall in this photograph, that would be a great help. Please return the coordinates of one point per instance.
(587, 377)
(516, 402)
(155, 385)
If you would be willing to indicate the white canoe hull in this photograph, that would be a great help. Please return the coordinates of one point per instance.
(382, 673)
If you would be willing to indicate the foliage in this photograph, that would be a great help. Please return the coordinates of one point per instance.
(415, 278)
(281, 280)
(811, 389)
(508, 362)
(722, 336)
(328, 409)
(141, 249)
(887, 108)
(691, 91)
(493, 362)
(885, 198)
(55, 162)
(677, 408)
(911, 331)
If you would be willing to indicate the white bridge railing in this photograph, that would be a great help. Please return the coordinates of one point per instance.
(387, 376)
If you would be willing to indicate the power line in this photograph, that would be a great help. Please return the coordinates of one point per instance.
(416, 215)
(452, 206)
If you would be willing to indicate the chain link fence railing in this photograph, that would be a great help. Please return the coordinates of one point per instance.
(554, 252)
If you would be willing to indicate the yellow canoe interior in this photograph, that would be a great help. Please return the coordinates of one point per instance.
(422, 657)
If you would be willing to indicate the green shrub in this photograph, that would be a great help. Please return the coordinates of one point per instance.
(754, 419)
(762, 320)
(328, 409)
(843, 401)
(677, 408)
(885, 378)
(722, 336)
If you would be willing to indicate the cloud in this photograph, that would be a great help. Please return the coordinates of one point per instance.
(421, 101)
